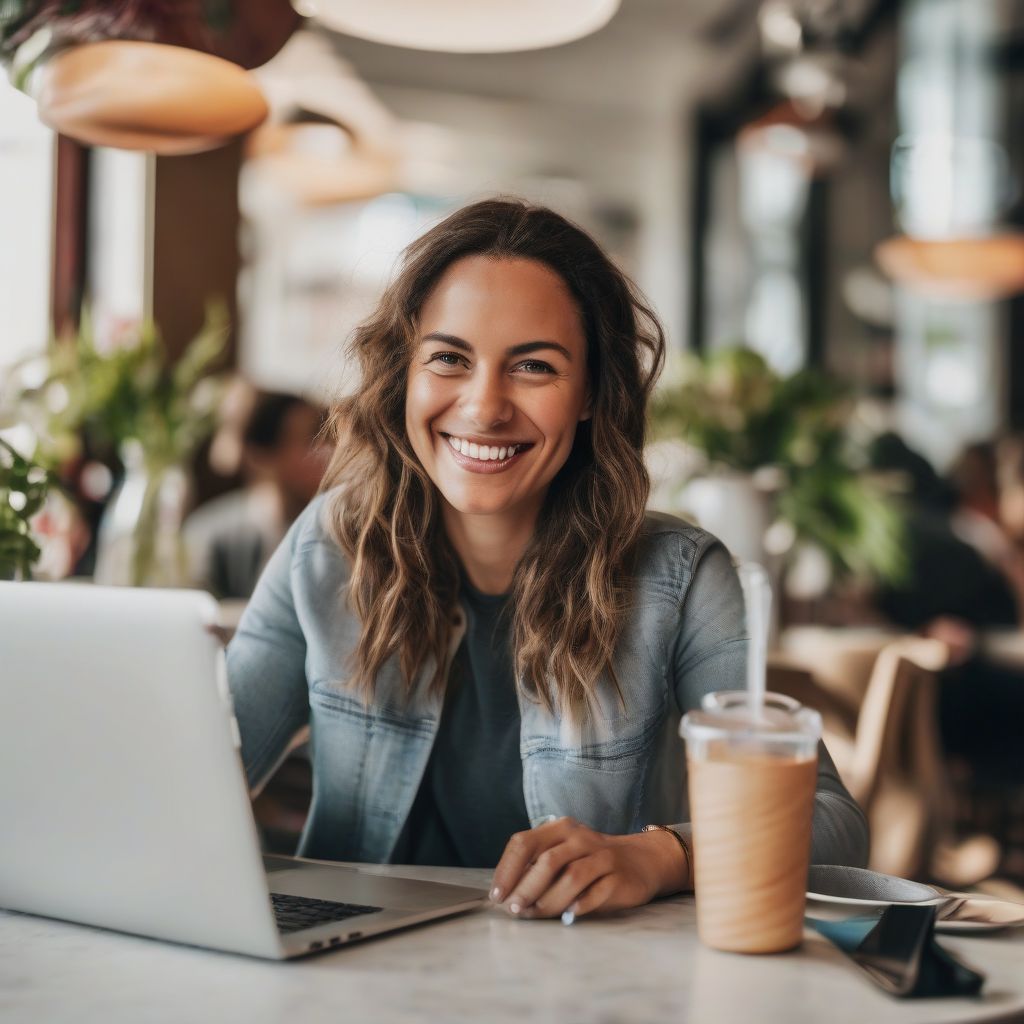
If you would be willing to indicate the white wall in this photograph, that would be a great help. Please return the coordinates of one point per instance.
(581, 161)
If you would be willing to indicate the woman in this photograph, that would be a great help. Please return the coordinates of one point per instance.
(477, 620)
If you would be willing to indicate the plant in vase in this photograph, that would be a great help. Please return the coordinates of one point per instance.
(120, 393)
(23, 488)
(784, 452)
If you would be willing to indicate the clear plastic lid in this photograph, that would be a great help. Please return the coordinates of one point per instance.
(780, 723)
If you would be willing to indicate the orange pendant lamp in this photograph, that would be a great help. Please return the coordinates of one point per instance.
(155, 75)
(179, 100)
(982, 269)
(329, 140)
(950, 191)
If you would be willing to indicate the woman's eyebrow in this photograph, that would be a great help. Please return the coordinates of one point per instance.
(522, 349)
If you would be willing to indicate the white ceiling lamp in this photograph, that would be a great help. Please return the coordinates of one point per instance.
(463, 26)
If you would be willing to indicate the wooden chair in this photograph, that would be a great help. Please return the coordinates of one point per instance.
(890, 757)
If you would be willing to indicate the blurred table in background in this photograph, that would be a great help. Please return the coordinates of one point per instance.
(1003, 646)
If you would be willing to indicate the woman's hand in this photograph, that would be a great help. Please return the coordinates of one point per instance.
(565, 866)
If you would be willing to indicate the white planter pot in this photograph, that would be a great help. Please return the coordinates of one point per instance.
(734, 510)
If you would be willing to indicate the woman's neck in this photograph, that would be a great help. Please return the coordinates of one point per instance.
(490, 546)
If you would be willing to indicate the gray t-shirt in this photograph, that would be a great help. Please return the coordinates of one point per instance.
(471, 798)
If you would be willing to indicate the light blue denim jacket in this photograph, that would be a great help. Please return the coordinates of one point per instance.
(683, 638)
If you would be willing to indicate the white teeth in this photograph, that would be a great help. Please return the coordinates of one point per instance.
(482, 452)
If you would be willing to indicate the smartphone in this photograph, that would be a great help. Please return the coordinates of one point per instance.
(900, 955)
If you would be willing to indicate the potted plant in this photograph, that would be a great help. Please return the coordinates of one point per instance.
(779, 470)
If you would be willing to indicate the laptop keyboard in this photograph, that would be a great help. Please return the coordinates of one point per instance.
(293, 913)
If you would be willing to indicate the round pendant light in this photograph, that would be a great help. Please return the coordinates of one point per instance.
(320, 164)
(149, 96)
(983, 268)
(329, 138)
(463, 26)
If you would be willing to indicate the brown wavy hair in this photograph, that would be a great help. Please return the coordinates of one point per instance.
(572, 586)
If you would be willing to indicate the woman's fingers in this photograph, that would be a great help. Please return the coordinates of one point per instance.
(541, 876)
(578, 878)
(597, 896)
(563, 865)
(522, 850)
(567, 866)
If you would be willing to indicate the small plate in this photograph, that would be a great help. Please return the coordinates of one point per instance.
(979, 913)
(857, 887)
(851, 901)
(831, 888)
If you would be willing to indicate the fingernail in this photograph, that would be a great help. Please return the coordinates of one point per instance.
(514, 908)
(496, 895)
(568, 917)
(547, 819)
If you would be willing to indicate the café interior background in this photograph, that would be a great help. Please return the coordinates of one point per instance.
(832, 184)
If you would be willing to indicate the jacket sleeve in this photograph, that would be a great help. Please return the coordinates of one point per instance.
(266, 666)
(710, 654)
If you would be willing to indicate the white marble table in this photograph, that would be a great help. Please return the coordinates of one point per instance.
(483, 967)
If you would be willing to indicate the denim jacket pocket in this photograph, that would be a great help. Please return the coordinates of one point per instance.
(337, 702)
(623, 750)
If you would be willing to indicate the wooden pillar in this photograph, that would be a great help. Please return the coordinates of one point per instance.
(70, 234)
(195, 241)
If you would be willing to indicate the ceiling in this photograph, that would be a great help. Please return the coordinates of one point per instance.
(649, 56)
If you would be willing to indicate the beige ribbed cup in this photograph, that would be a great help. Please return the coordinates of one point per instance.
(751, 787)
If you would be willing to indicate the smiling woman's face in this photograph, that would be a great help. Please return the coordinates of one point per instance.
(497, 384)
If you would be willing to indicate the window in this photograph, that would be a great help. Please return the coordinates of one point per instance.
(26, 225)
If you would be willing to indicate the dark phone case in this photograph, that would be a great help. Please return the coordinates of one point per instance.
(899, 953)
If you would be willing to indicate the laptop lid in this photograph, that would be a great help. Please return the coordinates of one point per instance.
(122, 797)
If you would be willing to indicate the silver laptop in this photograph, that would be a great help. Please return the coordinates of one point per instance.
(123, 801)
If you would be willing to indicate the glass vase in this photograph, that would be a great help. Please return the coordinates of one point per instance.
(140, 537)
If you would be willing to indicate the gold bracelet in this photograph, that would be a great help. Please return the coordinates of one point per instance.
(680, 840)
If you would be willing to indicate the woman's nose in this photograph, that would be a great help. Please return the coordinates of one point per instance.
(486, 401)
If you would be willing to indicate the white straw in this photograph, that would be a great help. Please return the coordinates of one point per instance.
(757, 597)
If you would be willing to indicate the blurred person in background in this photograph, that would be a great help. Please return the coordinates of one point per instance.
(282, 461)
(965, 576)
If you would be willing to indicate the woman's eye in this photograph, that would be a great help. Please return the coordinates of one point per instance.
(452, 359)
(535, 366)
